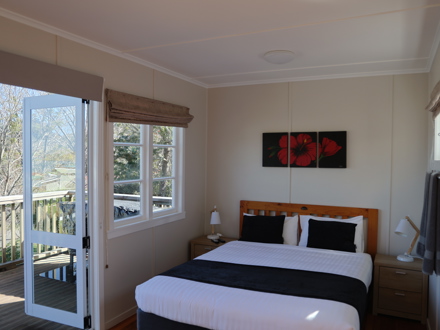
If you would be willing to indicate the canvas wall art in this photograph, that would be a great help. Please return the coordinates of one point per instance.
(305, 149)
(332, 149)
(275, 149)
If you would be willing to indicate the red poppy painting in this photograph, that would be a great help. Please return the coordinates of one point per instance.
(303, 149)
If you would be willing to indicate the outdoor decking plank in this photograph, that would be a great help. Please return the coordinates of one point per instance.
(12, 315)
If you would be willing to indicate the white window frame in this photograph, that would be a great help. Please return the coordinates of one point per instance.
(147, 218)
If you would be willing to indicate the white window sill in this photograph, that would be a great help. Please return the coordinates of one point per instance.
(130, 228)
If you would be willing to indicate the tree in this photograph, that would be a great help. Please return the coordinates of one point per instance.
(11, 138)
(126, 158)
(53, 148)
(162, 160)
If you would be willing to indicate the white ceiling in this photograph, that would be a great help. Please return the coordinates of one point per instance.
(221, 42)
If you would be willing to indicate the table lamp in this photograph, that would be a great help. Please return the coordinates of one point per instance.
(215, 220)
(403, 229)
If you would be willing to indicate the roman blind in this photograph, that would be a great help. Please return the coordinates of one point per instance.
(128, 108)
(434, 102)
(26, 72)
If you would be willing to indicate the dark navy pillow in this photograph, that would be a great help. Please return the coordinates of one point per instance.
(263, 229)
(332, 235)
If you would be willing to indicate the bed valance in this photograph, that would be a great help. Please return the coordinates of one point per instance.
(128, 108)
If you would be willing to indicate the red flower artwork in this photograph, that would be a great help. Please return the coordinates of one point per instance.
(282, 154)
(302, 150)
(328, 148)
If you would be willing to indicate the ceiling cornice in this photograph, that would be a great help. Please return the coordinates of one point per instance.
(73, 37)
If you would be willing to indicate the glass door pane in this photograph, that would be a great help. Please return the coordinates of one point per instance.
(55, 208)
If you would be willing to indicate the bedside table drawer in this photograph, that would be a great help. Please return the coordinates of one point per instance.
(202, 249)
(401, 279)
(400, 301)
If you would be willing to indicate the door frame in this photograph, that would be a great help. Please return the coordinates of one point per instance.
(97, 224)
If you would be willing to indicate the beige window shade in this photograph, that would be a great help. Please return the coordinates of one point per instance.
(434, 102)
(25, 72)
(128, 108)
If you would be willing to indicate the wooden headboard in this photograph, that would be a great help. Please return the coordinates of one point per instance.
(289, 209)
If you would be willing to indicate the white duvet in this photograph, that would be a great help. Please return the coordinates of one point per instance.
(219, 307)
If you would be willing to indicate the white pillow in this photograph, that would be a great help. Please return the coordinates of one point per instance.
(358, 236)
(290, 229)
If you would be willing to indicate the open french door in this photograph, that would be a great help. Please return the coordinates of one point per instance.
(55, 209)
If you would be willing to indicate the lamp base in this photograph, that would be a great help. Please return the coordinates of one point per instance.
(405, 257)
(213, 236)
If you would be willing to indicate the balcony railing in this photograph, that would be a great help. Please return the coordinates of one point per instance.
(52, 212)
(47, 216)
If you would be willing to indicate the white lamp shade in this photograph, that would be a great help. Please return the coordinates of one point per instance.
(403, 228)
(215, 218)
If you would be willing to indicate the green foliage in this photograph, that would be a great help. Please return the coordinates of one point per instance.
(163, 139)
(127, 159)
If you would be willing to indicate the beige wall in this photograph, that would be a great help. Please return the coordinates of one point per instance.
(386, 147)
(133, 258)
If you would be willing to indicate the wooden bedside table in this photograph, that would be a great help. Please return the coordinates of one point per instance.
(202, 244)
(400, 288)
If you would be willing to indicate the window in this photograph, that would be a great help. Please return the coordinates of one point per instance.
(146, 176)
(146, 163)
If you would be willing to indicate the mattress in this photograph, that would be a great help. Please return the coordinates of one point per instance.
(219, 307)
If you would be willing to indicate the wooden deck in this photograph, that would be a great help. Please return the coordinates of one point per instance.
(12, 315)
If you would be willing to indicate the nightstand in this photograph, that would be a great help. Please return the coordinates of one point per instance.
(202, 245)
(400, 288)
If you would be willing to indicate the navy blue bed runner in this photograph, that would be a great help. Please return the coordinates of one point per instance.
(276, 280)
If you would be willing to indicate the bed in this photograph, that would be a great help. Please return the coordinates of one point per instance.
(316, 276)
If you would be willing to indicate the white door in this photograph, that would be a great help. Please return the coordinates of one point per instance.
(56, 242)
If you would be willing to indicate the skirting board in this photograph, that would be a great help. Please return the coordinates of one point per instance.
(121, 317)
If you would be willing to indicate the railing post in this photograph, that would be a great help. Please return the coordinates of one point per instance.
(38, 220)
(54, 215)
(46, 220)
(13, 220)
(21, 231)
(3, 233)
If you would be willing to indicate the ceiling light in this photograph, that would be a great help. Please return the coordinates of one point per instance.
(278, 56)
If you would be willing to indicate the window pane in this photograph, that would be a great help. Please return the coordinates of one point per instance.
(126, 133)
(127, 162)
(55, 277)
(53, 149)
(163, 135)
(53, 169)
(162, 194)
(126, 200)
(162, 162)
